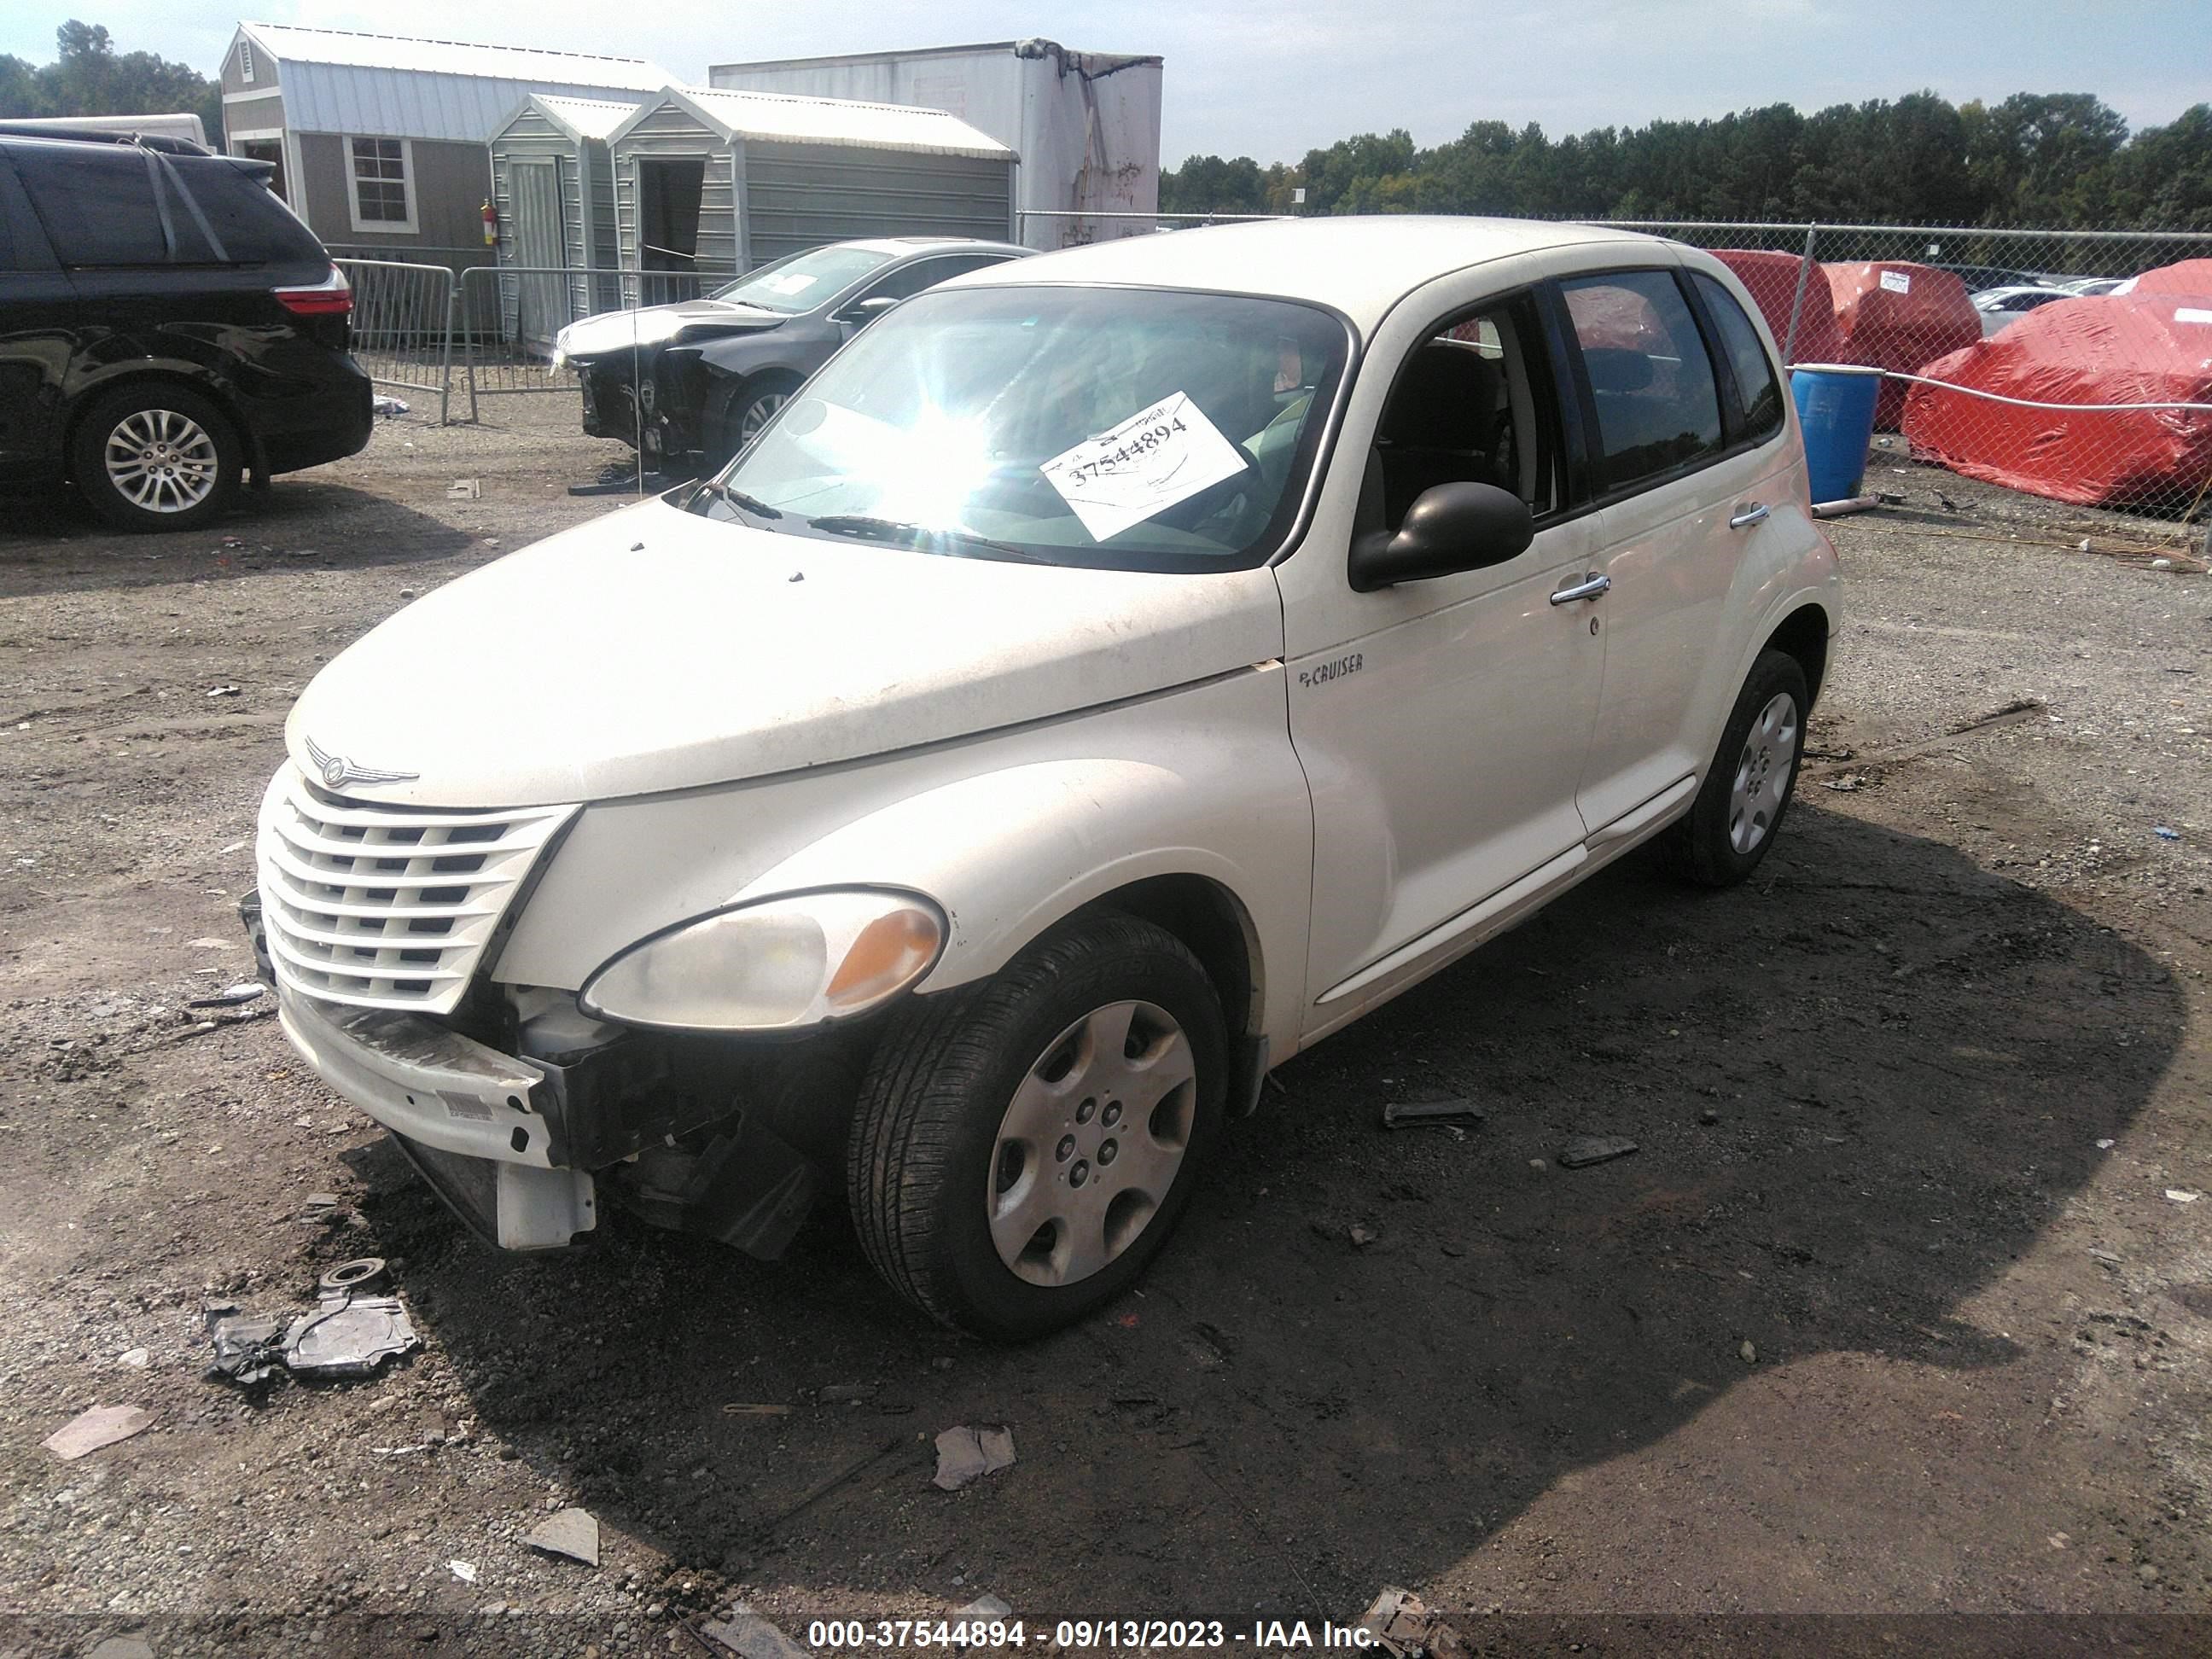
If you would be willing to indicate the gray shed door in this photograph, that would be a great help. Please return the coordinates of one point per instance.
(799, 196)
(541, 245)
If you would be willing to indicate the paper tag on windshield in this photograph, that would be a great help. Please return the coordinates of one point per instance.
(796, 282)
(1163, 455)
(1896, 281)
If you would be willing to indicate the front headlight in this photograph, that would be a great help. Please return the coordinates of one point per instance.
(778, 964)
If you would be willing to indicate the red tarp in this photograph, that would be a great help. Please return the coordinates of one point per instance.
(2190, 276)
(1772, 280)
(2111, 348)
(1901, 316)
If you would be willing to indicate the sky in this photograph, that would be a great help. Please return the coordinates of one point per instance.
(1273, 78)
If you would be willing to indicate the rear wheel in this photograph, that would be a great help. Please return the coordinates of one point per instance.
(156, 457)
(1747, 788)
(1022, 1148)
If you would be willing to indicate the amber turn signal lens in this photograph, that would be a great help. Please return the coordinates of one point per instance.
(885, 956)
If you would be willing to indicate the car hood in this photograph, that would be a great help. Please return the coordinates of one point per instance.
(656, 325)
(656, 649)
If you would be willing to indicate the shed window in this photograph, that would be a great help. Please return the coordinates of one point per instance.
(246, 62)
(383, 185)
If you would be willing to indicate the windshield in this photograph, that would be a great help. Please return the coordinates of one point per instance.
(1134, 428)
(803, 281)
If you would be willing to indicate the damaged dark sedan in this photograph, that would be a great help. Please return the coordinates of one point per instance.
(688, 385)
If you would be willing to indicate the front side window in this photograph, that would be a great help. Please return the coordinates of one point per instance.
(1466, 408)
(1658, 410)
(1756, 387)
(1129, 428)
(383, 195)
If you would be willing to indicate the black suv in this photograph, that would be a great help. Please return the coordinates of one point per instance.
(166, 325)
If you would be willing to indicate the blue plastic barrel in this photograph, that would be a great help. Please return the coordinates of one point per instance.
(1835, 405)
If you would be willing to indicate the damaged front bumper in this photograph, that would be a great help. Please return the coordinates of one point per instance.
(688, 1132)
(478, 1124)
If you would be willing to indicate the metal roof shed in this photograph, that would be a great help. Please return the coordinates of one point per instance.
(714, 183)
(554, 188)
(380, 140)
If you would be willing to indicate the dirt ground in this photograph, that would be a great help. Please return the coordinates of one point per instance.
(1902, 1307)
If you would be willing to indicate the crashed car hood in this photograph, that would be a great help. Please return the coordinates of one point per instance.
(616, 330)
(656, 649)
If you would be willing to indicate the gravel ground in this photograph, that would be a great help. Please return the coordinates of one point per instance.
(1897, 1309)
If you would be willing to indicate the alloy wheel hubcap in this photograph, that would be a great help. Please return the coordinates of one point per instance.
(1762, 775)
(1087, 1152)
(756, 414)
(161, 461)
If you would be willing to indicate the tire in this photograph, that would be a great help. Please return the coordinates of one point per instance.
(748, 408)
(990, 1107)
(156, 456)
(1747, 788)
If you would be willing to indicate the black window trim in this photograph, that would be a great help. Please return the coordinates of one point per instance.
(1735, 413)
(1732, 444)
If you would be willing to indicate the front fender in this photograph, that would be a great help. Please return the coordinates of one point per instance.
(1008, 833)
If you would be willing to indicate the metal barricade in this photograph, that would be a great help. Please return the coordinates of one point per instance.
(506, 323)
(402, 331)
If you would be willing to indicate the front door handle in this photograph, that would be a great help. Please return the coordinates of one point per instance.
(1755, 513)
(1590, 588)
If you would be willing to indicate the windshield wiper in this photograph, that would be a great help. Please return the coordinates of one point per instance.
(862, 527)
(750, 505)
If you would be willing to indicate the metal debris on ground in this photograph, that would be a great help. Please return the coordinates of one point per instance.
(465, 490)
(231, 995)
(2181, 1196)
(572, 1533)
(348, 1334)
(1586, 1149)
(1399, 1622)
(223, 691)
(965, 1454)
(746, 1633)
(464, 1570)
(101, 1426)
(1416, 1114)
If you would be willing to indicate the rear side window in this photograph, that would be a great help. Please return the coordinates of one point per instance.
(1756, 386)
(1658, 407)
(96, 202)
(250, 224)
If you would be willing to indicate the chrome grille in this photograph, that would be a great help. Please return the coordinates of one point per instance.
(388, 907)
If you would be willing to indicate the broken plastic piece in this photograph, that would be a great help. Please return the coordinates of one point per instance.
(746, 1633)
(572, 1533)
(964, 1454)
(103, 1425)
(246, 1346)
(1414, 1114)
(245, 991)
(1586, 1149)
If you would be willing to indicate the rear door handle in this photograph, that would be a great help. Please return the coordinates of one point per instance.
(1588, 589)
(1755, 513)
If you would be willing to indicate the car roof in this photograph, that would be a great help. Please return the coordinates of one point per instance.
(1360, 266)
(912, 245)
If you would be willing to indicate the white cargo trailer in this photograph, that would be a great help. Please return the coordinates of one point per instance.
(1086, 124)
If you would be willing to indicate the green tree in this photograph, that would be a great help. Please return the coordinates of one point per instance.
(89, 77)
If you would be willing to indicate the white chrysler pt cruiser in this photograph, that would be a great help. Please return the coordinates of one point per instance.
(1111, 674)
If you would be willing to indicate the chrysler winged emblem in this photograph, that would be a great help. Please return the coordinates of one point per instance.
(337, 771)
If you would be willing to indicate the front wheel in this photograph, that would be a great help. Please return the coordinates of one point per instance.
(1748, 787)
(750, 408)
(1022, 1148)
(156, 457)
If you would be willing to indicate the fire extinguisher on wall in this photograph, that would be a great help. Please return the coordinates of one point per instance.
(491, 225)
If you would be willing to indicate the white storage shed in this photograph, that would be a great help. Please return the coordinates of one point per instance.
(711, 183)
(1086, 125)
(553, 185)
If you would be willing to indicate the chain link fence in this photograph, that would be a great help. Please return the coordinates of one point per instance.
(2075, 366)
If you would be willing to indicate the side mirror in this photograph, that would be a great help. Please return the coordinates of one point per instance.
(1450, 528)
(865, 311)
